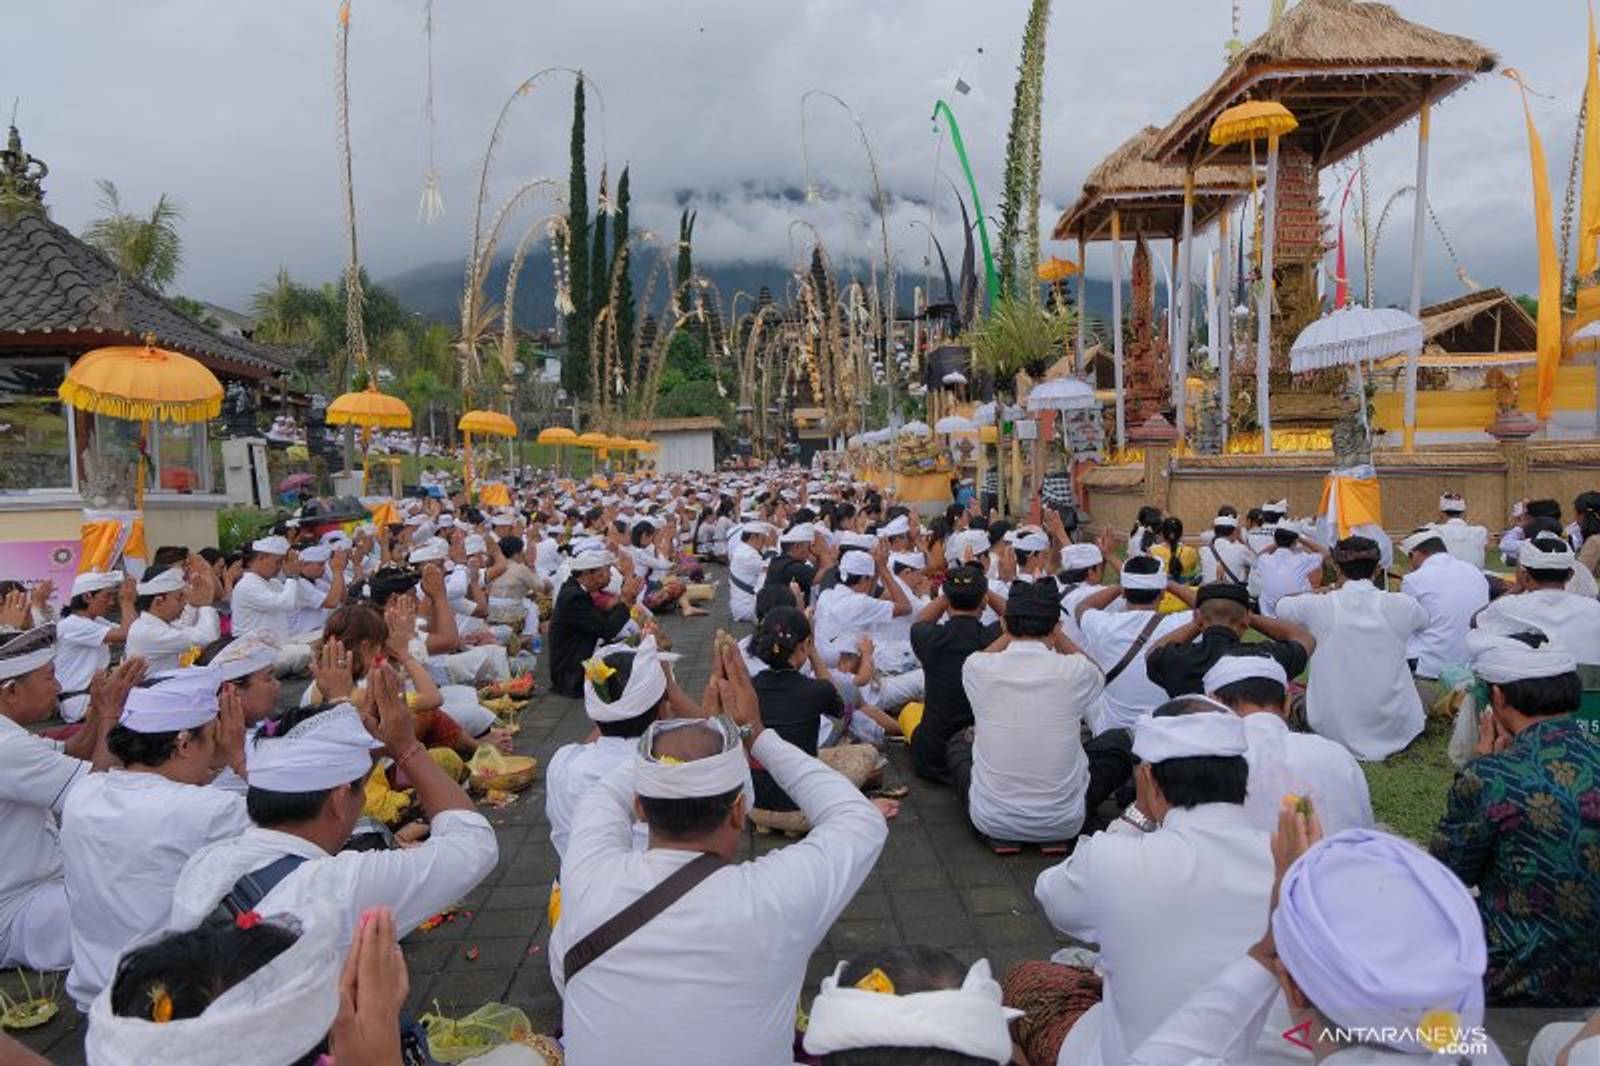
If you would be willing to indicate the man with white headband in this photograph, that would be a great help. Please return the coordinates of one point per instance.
(1119, 640)
(850, 609)
(586, 616)
(307, 768)
(36, 774)
(1360, 691)
(624, 690)
(126, 833)
(1285, 763)
(1081, 568)
(161, 635)
(1364, 984)
(747, 565)
(319, 577)
(802, 553)
(1172, 892)
(263, 601)
(1465, 542)
(1541, 601)
(1227, 557)
(893, 1001)
(85, 634)
(1451, 590)
(713, 963)
(246, 663)
(1512, 817)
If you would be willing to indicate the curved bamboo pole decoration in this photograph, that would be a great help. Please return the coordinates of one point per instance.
(891, 372)
(475, 316)
(508, 339)
(355, 333)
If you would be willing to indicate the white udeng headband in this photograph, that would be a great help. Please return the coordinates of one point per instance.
(697, 778)
(324, 751)
(968, 1020)
(1130, 580)
(1530, 557)
(647, 683)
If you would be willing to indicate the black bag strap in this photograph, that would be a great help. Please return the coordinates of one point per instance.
(253, 887)
(748, 590)
(1226, 572)
(634, 916)
(1133, 649)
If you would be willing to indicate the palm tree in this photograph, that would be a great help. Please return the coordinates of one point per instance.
(146, 249)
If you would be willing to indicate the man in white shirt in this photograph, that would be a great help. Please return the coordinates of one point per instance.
(1081, 568)
(35, 777)
(635, 689)
(1119, 640)
(713, 977)
(126, 834)
(160, 635)
(307, 770)
(1227, 558)
(1290, 565)
(1412, 966)
(1360, 692)
(84, 635)
(1468, 543)
(849, 609)
(262, 603)
(1173, 891)
(1284, 763)
(319, 581)
(1451, 590)
(747, 567)
(1540, 602)
(1024, 773)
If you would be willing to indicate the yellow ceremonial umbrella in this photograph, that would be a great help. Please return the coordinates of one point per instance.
(486, 423)
(1056, 269)
(560, 436)
(1251, 121)
(369, 409)
(142, 383)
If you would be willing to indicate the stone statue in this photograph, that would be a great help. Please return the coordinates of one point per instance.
(109, 478)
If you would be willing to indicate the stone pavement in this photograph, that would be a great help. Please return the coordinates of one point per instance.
(935, 884)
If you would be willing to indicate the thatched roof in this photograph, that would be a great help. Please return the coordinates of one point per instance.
(1148, 195)
(1476, 321)
(1350, 71)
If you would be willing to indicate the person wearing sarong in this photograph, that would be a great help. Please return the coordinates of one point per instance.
(1172, 892)
(264, 602)
(713, 979)
(580, 623)
(84, 635)
(161, 635)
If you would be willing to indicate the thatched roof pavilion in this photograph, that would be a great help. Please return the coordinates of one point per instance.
(1148, 195)
(1349, 70)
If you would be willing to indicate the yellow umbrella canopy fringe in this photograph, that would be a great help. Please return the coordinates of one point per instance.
(370, 409)
(142, 383)
(556, 435)
(492, 423)
(1251, 121)
(1056, 269)
(592, 439)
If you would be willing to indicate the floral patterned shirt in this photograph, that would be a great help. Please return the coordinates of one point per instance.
(1523, 827)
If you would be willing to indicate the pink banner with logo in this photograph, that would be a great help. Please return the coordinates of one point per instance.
(33, 561)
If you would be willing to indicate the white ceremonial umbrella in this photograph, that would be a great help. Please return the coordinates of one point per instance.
(954, 424)
(1062, 394)
(1354, 335)
(918, 429)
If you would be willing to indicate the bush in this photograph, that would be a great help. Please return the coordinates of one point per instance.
(694, 398)
(238, 526)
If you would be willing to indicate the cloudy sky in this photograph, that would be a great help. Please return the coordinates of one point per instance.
(229, 107)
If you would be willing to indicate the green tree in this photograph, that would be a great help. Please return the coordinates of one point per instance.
(627, 314)
(192, 308)
(575, 369)
(692, 399)
(600, 261)
(147, 248)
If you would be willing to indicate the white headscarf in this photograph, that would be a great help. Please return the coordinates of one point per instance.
(320, 752)
(246, 654)
(647, 683)
(93, 581)
(968, 1020)
(23, 653)
(168, 580)
(1500, 659)
(1233, 668)
(697, 778)
(1378, 934)
(276, 1015)
(180, 699)
(1182, 736)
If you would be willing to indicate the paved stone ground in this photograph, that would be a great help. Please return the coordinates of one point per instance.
(935, 884)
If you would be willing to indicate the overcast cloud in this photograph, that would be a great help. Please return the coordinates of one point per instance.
(229, 107)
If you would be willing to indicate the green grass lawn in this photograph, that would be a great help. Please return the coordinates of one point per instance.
(1409, 788)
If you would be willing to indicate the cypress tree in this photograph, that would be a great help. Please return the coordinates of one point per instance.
(599, 274)
(625, 308)
(575, 368)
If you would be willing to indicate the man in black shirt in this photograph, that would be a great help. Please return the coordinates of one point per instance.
(1178, 661)
(801, 553)
(942, 648)
(578, 623)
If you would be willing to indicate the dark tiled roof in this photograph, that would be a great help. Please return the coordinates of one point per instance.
(52, 282)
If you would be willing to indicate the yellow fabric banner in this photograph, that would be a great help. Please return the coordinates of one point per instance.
(1589, 217)
(108, 540)
(1358, 502)
(494, 494)
(1549, 345)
